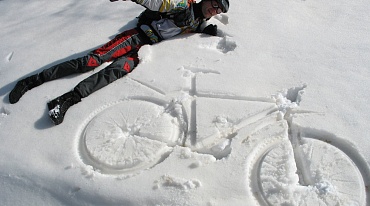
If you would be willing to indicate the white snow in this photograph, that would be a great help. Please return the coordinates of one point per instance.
(272, 111)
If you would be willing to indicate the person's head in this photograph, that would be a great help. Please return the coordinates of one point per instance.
(213, 7)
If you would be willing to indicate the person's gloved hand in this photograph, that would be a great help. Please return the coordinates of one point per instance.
(210, 30)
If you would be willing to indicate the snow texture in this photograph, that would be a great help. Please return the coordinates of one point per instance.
(272, 111)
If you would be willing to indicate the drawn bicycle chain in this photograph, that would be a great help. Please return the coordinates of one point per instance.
(140, 132)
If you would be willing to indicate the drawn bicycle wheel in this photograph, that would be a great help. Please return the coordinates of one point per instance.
(311, 173)
(129, 136)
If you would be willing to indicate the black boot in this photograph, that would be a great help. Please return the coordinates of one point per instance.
(59, 106)
(23, 86)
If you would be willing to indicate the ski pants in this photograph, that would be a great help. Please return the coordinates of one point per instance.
(122, 51)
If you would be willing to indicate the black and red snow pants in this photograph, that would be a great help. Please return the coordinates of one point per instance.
(122, 51)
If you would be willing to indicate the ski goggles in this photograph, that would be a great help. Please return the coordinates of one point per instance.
(222, 6)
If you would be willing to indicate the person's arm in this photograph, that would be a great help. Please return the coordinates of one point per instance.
(161, 5)
(210, 30)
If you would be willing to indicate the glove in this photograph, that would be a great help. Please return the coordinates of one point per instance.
(210, 30)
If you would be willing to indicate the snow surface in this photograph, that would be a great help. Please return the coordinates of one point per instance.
(273, 111)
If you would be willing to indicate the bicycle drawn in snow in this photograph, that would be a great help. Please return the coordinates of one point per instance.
(286, 162)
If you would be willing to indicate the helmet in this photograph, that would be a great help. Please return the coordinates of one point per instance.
(224, 4)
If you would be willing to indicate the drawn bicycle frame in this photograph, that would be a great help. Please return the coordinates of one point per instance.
(139, 132)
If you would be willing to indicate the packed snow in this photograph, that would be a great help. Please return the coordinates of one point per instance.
(272, 111)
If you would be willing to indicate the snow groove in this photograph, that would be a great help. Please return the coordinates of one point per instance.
(9, 57)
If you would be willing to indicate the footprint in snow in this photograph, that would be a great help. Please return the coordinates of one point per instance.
(3, 114)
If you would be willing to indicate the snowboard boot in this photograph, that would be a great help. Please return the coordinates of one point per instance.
(23, 86)
(59, 106)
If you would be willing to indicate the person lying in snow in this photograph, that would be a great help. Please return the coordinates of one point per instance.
(161, 20)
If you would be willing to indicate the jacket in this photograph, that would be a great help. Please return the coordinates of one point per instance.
(174, 17)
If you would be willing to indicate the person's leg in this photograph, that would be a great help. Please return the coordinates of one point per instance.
(64, 69)
(119, 46)
(119, 68)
